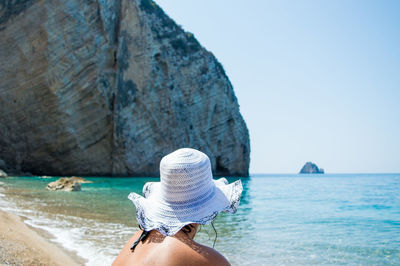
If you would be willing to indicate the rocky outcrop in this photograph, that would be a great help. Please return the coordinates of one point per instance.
(311, 168)
(67, 184)
(3, 174)
(3, 166)
(108, 87)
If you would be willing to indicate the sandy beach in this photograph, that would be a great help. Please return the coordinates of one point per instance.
(22, 245)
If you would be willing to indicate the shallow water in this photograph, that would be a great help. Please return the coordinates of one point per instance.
(282, 219)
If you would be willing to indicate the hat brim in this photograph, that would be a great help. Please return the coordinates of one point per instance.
(153, 212)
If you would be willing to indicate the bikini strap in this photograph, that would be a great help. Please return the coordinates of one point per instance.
(141, 238)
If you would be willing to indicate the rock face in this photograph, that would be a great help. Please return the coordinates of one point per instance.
(311, 168)
(3, 174)
(108, 87)
(67, 184)
(3, 167)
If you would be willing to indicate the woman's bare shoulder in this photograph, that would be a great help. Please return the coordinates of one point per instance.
(213, 256)
(169, 251)
(197, 254)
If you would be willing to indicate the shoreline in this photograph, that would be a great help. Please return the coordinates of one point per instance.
(21, 244)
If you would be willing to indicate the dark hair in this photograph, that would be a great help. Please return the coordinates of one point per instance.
(187, 228)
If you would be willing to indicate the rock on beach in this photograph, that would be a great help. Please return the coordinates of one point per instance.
(67, 184)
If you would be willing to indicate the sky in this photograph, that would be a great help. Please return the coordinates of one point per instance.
(315, 80)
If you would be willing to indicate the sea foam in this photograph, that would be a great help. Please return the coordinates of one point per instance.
(88, 238)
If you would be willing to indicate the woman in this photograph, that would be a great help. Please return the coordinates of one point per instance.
(171, 211)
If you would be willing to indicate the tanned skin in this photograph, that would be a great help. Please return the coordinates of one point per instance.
(176, 250)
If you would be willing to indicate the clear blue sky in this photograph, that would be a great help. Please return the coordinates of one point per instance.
(316, 80)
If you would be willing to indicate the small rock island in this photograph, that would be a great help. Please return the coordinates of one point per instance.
(311, 168)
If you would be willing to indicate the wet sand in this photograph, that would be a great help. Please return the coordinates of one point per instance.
(22, 245)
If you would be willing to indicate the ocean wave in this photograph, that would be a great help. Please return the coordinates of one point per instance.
(88, 238)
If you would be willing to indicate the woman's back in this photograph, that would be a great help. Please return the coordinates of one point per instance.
(158, 249)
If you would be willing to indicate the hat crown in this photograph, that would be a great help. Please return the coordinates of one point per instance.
(185, 176)
(186, 194)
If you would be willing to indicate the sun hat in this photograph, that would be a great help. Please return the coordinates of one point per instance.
(186, 193)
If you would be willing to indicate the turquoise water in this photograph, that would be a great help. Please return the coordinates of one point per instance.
(282, 219)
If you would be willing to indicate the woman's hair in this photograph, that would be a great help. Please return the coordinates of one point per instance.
(188, 229)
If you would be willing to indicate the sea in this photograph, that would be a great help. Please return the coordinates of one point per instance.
(283, 219)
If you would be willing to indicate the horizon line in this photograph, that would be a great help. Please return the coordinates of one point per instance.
(291, 173)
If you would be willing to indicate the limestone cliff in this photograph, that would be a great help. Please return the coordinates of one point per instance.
(108, 87)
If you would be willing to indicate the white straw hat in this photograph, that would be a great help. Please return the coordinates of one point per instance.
(186, 194)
